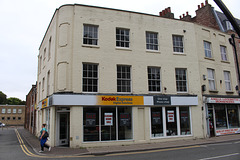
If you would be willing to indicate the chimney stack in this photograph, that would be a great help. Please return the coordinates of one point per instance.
(166, 13)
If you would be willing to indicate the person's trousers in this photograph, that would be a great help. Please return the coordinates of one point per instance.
(44, 145)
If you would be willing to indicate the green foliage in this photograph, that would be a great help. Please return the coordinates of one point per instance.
(3, 98)
(11, 100)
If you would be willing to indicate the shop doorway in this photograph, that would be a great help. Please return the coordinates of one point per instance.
(63, 128)
(211, 122)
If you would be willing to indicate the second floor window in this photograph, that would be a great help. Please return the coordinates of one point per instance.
(227, 80)
(90, 78)
(122, 38)
(211, 79)
(152, 41)
(154, 81)
(207, 49)
(123, 78)
(223, 53)
(177, 43)
(181, 80)
(90, 36)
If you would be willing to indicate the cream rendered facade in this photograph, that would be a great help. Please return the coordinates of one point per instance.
(60, 73)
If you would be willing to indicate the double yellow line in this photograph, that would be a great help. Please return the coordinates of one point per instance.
(28, 153)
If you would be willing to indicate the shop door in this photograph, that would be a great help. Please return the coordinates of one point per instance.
(211, 122)
(63, 122)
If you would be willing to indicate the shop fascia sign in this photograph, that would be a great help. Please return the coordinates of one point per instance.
(224, 100)
(120, 100)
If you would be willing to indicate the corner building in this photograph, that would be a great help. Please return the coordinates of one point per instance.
(113, 77)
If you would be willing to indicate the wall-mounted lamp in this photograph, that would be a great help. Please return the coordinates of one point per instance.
(203, 88)
(204, 77)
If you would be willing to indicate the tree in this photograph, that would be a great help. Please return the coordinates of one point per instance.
(3, 98)
(15, 101)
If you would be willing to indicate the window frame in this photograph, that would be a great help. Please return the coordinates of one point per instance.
(227, 81)
(125, 80)
(88, 31)
(212, 79)
(223, 50)
(93, 78)
(182, 81)
(156, 69)
(126, 38)
(208, 49)
(178, 45)
(152, 42)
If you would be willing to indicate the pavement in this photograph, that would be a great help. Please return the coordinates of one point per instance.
(33, 141)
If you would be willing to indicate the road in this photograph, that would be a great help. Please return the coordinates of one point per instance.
(13, 147)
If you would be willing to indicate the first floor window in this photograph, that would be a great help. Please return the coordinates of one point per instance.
(154, 81)
(211, 79)
(9, 110)
(3, 110)
(223, 53)
(177, 43)
(90, 78)
(207, 49)
(107, 123)
(122, 37)
(181, 80)
(227, 80)
(152, 41)
(14, 110)
(19, 111)
(177, 121)
(123, 78)
(90, 35)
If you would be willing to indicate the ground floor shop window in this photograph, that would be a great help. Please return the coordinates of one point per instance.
(233, 118)
(176, 122)
(220, 114)
(107, 123)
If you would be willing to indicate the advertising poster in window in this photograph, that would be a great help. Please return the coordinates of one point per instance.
(184, 116)
(108, 119)
(156, 118)
(170, 116)
(125, 119)
(90, 119)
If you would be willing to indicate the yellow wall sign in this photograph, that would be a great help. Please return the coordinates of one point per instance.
(120, 100)
(45, 103)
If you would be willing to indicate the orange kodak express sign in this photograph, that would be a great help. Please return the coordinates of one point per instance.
(120, 100)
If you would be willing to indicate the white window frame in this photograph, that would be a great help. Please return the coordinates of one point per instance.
(125, 34)
(152, 41)
(90, 34)
(178, 44)
(178, 123)
(223, 51)
(14, 110)
(124, 79)
(90, 78)
(207, 49)
(155, 79)
(9, 110)
(20, 110)
(3, 110)
(227, 79)
(211, 79)
(186, 81)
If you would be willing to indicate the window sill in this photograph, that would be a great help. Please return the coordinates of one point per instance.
(213, 91)
(179, 53)
(229, 92)
(212, 59)
(225, 61)
(153, 51)
(90, 46)
(122, 48)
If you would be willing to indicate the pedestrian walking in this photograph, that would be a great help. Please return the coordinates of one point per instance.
(43, 138)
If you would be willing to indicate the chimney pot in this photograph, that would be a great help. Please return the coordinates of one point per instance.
(166, 10)
(187, 13)
(206, 2)
(169, 9)
(160, 14)
(180, 17)
(183, 15)
(198, 6)
(202, 4)
(163, 12)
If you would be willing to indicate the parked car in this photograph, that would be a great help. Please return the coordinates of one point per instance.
(2, 124)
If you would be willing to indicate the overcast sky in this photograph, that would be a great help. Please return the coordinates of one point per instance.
(23, 24)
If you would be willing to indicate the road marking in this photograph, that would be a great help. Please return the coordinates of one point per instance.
(222, 156)
(30, 154)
